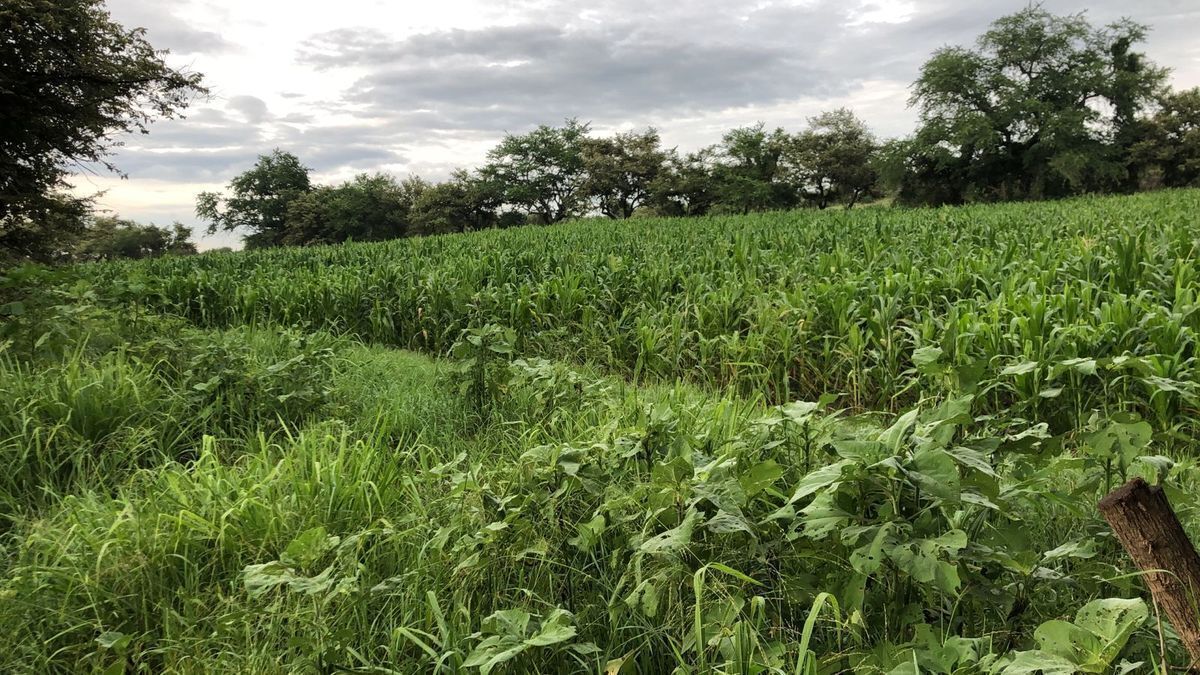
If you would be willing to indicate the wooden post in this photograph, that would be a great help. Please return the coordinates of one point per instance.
(1144, 523)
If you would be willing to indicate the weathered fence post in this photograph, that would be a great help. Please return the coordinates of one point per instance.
(1144, 523)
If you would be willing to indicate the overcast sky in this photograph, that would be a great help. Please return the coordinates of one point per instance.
(423, 87)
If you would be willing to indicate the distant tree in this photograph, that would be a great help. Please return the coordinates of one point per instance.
(371, 207)
(914, 173)
(1166, 150)
(465, 202)
(70, 79)
(686, 186)
(47, 234)
(621, 170)
(259, 200)
(542, 171)
(112, 238)
(747, 173)
(1032, 111)
(833, 160)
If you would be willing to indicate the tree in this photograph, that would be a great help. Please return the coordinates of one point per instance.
(70, 80)
(1166, 152)
(914, 173)
(686, 186)
(833, 159)
(112, 238)
(621, 170)
(747, 173)
(542, 171)
(1034, 109)
(465, 202)
(259, 200)
(369, 208)
(47, 234)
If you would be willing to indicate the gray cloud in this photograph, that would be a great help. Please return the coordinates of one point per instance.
(251, 108)
(164, 29)
(512, 76)
(622, 61)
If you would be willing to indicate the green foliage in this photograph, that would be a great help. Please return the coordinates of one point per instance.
(111, 238)
(1031, 113)
(465, 202)
(1166, 152)
(259, 200)
(506, 634)
(482, 368)
(251, 495)
(832, 161)
(71, 79)
(748, 173)
(623, 170)
(542, 171)
(686, 186)
(881, 306)
(367, 208)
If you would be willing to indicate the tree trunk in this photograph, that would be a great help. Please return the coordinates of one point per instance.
(1148, 529)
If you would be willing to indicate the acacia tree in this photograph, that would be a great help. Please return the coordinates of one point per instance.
(747, 173)
(70, 80)
(621, 171)
(542, 171)
(1033, 110)
(833, 159)
(259, 199)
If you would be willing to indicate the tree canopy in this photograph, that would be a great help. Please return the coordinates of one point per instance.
(113, 238)
(832, 160)
(542, 171)
(258, 200)
(71, 80)
(621, 170)
(1165, 151)
(1034, 110)
(371, 207)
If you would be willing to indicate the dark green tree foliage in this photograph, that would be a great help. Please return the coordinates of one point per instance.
(371, 207)
(832, 161)
(111, 238)
(686, 186)
(1033, 111)
(258, 200)
(70, 79)
(1166, 152)
(542, 171)
(622, 170)
(465, 202)
(748, 174)
(46, 235)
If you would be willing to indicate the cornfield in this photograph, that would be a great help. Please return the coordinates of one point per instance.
(788, 305)
(864, 441)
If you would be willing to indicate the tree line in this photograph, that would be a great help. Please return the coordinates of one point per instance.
(551, 174)
(1041, 106)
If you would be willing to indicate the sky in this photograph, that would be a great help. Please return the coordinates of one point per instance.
(425, 87)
